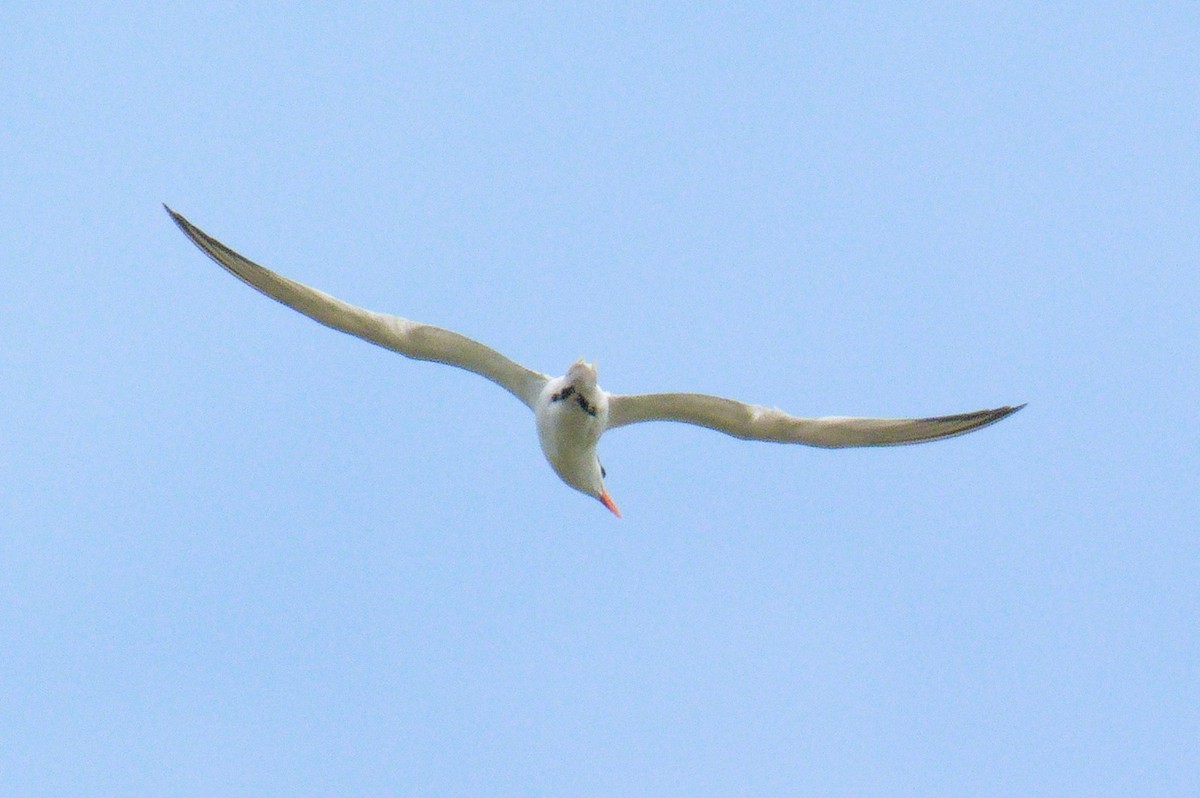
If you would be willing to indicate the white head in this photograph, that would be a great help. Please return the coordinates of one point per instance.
(582, 375)
(571, 416)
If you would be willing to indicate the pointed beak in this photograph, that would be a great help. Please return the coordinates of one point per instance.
(607, 501)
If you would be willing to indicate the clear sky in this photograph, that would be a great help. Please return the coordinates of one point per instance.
(243, 555)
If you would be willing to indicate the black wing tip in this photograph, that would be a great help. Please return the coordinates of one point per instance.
(988, 417)
(1008, 410)
(200, 238)
(963, 423)
(207, 244)
(180, 222)
(980, 416)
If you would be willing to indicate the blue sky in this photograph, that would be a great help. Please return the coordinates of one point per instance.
(245, 555)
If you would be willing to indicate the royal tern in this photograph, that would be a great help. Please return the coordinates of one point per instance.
(573, 411)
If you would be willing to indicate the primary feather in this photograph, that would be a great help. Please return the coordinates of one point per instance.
(758, 423)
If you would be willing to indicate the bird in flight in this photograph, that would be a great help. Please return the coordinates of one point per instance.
(573, 411)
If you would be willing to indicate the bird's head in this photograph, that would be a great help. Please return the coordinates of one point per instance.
(572, 454)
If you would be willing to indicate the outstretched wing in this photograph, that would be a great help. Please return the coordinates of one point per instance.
(409, 338)
(758, 423)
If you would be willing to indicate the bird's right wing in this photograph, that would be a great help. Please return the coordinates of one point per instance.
(409, 338)
(758, 423)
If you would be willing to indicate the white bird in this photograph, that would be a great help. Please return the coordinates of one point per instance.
(573, 411)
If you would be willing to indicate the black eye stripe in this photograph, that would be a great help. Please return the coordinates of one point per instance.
(587, 407)
(580, 399)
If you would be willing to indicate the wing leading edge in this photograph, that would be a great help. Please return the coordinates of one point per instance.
(409, 338)
(758, 423)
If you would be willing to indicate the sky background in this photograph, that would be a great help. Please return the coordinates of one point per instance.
(243, 555)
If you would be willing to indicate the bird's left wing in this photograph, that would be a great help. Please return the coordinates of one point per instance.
(409, 338)
(758, 423)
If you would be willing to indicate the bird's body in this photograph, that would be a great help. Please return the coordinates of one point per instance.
(572, 412)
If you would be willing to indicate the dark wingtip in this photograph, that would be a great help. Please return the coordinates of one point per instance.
(178, 219)
(1001, 413)
(198, 236)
